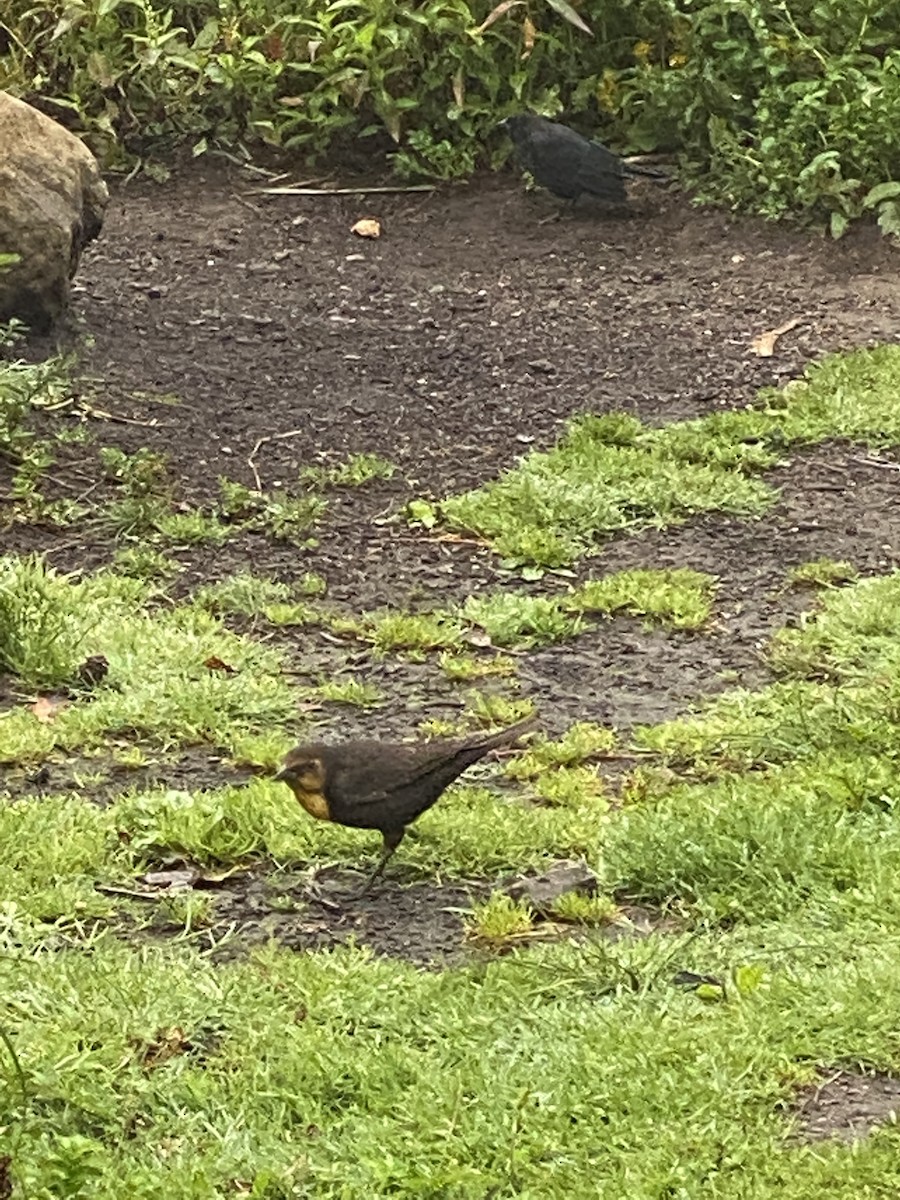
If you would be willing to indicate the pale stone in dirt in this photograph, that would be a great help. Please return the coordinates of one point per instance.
(52, 200)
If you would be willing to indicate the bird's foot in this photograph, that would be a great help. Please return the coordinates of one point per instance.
(360, 892)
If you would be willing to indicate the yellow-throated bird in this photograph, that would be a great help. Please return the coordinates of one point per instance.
(383, 785)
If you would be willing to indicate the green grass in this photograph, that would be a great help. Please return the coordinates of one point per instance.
(499, 919)
(678, 598)
(358, 470)
(164, 681)
(763, 826)
(611, 473)
(766, 822)
(822, 572)
(338, 1075)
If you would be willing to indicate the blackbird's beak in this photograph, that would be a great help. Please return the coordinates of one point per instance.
(504, 124)
(282, 776)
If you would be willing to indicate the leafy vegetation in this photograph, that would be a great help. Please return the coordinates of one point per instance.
(780, 109)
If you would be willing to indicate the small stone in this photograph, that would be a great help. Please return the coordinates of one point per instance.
(542, 891)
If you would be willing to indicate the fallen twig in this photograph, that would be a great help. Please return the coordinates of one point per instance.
(260, 442)
(248, 166)
(341, 191)
(101, 414)
(763, 344)
(883, 463)
(254, 208)
(109, 890)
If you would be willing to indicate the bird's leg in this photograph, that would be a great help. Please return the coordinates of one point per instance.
(567, 208)
(391, 841)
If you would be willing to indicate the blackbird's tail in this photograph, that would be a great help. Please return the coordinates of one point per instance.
(490, 741)
(647, 172)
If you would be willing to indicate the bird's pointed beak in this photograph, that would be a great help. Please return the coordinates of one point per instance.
(282, 776)
(504, 124)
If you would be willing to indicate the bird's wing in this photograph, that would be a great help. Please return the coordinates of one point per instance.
(558, 148)
(390, 784)
(600, 172)
(381, 770)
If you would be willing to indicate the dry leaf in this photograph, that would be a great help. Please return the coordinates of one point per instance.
(764, 344)
(368, 227)
(93, 670)
(210, 878)
(215, 664)
(528, 35)
(273, 47)
(45, 708)
(477, 637)
(568, 13)
(168, 1044)
(459, 88)
(496, 13)
(175, 879)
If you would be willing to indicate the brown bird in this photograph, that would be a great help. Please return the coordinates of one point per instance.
(383, 785)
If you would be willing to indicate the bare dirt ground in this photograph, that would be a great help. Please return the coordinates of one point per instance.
(468, 334)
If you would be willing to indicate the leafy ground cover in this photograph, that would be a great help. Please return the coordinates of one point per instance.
(182, 1013)
(781, 110)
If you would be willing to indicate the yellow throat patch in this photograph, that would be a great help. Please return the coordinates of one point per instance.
(315, 804)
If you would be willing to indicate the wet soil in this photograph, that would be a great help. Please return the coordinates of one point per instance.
(846, 1105)
(465, 336)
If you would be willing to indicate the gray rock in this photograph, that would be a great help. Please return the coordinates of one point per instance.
(542, 891)
(52, 201)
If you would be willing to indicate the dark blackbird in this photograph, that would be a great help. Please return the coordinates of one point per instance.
(568, 164)
(383, 785)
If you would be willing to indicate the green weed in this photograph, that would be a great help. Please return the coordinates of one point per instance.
(610, 473)
(822, 572)
(193, 527)
(392, 631)
(40, 633)
(462, 667)
(581, 742)
(358, 470)
(585, 910)
(145, 562)
(517, 619)
(349, 691)
(499, 919)
(567, 786)
(678, 597)
(243, 594)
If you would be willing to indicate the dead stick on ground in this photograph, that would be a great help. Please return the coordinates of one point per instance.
(101, 415)
(884, 464)
(109, 890)
(341, 191)
(260, 442)
(254, 208)
(272, 176)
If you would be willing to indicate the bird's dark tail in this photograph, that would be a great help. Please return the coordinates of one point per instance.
(504, 736)
(646, 172)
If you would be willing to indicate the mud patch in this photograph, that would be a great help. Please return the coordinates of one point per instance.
(847, 1106)
(420, 923)
(102, 780)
